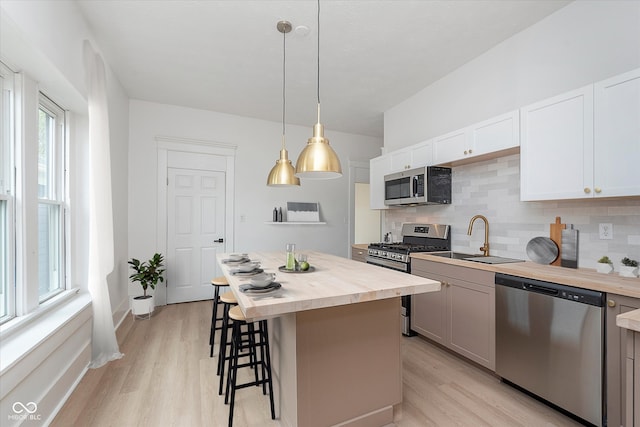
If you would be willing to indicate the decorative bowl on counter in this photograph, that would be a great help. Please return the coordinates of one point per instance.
(262, 280)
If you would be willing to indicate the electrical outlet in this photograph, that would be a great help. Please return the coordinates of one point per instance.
(606, 231)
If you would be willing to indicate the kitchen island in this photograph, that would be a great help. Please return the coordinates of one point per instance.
(335, 338)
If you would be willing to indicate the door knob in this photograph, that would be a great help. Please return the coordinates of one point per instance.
(221, 240)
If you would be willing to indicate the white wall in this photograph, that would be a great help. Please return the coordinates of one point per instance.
(584, 42)
(258, 143)
(43, 39)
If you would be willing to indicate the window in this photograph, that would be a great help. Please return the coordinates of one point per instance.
(7, 247)
(32, 216)
(50, 199)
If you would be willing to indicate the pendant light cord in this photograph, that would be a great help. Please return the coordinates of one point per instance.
(284, 80)
(318, 87)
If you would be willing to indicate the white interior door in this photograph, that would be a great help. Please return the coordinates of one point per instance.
(195, 232)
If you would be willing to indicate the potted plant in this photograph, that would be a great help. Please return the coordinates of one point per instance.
(629, 267)
(604, 265)
(148, 274)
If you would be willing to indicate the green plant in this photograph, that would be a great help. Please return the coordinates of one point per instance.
(629, 262)
(148, 273)
(605, 260)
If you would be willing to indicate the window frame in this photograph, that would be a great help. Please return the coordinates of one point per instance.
(7, 192)
(57, 195)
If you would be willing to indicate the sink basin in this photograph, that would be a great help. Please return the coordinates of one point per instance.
(455, 255)
(476, 258)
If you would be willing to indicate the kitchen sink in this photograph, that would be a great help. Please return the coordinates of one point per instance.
(476, 258)
(455, 255)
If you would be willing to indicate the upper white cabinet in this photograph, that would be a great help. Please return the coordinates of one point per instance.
(378, 168)
(617, 136)
(583, 144)
(556, 147)
(481, 139)
(415, 156)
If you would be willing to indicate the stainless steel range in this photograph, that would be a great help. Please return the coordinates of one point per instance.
(415, 238)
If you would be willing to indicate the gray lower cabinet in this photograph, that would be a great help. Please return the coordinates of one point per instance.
(619, 368)
(461, 316)
(358, 253)
(632, 383)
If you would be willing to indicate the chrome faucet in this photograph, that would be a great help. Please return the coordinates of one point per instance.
(484, 248)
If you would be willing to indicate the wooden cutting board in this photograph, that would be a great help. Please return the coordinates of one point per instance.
(555, 234)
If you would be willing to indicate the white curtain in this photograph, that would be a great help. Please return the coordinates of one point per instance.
(101, 252)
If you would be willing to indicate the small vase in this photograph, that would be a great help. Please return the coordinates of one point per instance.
(604, 268)
(626, 271)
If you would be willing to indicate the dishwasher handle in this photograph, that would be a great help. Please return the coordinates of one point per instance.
(532, 287)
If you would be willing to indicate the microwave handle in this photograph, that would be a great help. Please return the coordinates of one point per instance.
(414, 193)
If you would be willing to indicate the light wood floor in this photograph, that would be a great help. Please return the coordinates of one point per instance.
(167, 379)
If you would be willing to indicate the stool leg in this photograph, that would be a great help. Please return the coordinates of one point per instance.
(253, 355)
(265, 331)
(222, 355)
(233, 367)
(214, 318)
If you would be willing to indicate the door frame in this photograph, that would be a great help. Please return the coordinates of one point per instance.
(164, 145)
(358, 172)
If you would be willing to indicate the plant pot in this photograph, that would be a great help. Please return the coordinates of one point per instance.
(626, 271)
(604, 268)
(142, 306)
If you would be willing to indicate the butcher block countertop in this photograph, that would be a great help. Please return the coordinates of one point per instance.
(585, 278)
(629, 320)
(335, 281)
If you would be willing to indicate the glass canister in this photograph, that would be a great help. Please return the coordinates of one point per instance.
(291, 256)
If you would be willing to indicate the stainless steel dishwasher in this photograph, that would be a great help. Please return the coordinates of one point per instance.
(550, 342)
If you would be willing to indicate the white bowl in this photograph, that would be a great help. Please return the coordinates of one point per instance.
(236, 257)
(262, 280)
(245, 267)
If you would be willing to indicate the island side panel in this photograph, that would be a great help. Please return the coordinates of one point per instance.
(349, 364)
(282, 337)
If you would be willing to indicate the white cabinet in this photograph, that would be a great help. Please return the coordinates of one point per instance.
(617, 136)
(461, 316)
(584, 143)
(489, 137)
(415, 156)
(378, 168)
(556, 147)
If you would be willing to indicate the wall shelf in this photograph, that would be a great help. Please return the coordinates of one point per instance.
(296, 222)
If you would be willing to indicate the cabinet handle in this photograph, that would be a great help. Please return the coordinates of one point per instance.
(466, 152)
(360, 253)
(611, 303)
(470, 151)
(587, 190)
(598, 190)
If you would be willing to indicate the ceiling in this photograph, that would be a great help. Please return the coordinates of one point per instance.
(227, 56)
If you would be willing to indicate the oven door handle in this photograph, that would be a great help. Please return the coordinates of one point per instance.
(395, 265)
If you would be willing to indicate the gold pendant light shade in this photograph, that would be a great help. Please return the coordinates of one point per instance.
(283, 173)
(318, 160)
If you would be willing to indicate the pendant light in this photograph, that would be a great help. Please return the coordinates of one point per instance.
(283, 173)
(318, 160)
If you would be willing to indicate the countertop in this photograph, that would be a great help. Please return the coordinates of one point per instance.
(335, 281)
(585, 278)
(629, 320)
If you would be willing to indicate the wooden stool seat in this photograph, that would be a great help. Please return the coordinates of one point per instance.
(228, 298)
(220, 281)
(236, 314)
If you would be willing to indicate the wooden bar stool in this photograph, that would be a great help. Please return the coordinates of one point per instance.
(217, 283)
(228, 299)
(252, 345)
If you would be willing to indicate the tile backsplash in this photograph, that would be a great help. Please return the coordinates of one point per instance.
(492, 188)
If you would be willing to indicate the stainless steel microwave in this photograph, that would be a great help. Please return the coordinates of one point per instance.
(422, 186)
